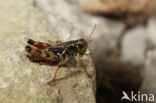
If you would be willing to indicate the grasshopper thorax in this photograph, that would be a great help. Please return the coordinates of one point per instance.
(76, 47)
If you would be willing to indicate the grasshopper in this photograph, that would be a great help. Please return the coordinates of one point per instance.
(57, 52)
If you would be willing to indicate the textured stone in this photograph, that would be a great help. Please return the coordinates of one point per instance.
(24, 82)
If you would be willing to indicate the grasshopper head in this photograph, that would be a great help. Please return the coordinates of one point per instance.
(82, 46)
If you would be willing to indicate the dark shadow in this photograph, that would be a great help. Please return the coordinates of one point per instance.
(113, 76)
(66, 77)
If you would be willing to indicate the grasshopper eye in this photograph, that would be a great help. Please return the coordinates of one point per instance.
(81, 45)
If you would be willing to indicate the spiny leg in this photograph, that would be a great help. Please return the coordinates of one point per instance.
(38, 60)
(42, 55)
(39, 45)
(64, 61)
(78, 59)
(33, 58)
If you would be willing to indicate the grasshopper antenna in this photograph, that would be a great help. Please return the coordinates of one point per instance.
(89, 39)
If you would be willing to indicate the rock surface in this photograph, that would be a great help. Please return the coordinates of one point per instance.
(24, 82)
(149, 82)
(134, 45)
(151, 37)
(150, 74)
(119, 6)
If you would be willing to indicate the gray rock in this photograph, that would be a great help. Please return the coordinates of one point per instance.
(134, 45)
(150, 74)
(22, 81)
(109, 32)
(151, 37)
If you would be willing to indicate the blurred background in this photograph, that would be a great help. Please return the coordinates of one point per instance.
(124, 41)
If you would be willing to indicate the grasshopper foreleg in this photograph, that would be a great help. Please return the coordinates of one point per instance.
(64, 61)
(78, 59)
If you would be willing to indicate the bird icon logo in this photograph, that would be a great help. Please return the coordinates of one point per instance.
(125, 96)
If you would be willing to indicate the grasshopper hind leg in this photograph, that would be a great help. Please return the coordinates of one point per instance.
(35, 59)
(39, 45)
(40, 55)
